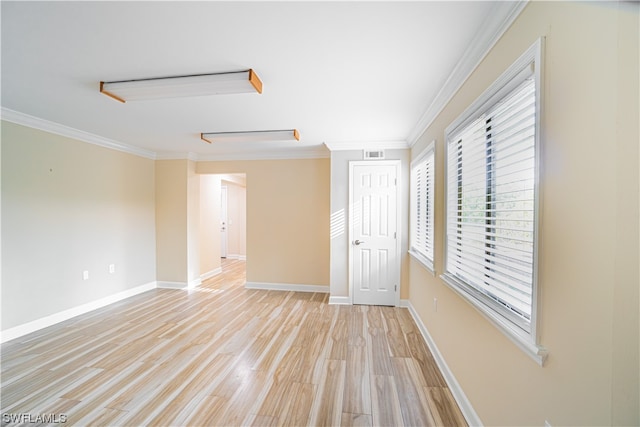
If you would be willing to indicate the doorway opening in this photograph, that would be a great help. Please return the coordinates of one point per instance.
(223, 222)
(233, 216)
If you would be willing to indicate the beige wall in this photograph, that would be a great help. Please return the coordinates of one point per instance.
(178, 214)
(287, 218)
(589, 247)
(67, 207)
(193, 225)
(171, 220)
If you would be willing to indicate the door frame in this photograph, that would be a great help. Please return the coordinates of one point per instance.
(398, 266)
(224, 221)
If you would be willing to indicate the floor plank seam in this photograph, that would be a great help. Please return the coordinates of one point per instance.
(221, 354)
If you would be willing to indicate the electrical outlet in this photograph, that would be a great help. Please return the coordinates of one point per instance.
(85, 275)
(112, 268)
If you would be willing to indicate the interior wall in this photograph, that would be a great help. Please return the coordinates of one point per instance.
(287, 205)
(193, 225)
(339, 232)
(178, 214)
(171, 221)
(626, 296)
(68, 207)
(589, 245)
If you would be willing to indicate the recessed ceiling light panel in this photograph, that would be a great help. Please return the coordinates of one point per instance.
(183, 86)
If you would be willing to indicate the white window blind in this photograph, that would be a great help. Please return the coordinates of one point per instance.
(491, 174)
(422, 179)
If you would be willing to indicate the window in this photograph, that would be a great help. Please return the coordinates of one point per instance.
(492, 196)
(422, 177)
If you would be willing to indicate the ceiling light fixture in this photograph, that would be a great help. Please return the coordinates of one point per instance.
(252, 136)
(181, 86)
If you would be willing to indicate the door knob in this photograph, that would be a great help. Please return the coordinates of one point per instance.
(358, 242)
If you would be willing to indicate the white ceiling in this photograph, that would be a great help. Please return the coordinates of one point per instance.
(342, 73)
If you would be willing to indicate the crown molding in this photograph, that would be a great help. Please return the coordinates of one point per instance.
(361, 145)
(502, 15)
(69, 132)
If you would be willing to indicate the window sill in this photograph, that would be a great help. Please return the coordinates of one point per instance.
(426, 263)
(515, 335)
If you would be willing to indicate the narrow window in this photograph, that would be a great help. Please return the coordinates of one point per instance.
(422, 187)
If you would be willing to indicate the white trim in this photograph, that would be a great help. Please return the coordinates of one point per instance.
(172, 285)
(539, 62)
(224, 220)
(463, 402)
(528, 342)
(430, 147)
(511, 77)
(69, 132)
(194, 283)
(334, 300)
(286, 287)
(500, 19)
(423, 260)
(418, 256)
(315, 152)
(517, 336)
(237, 256)
(210, 274)
(55, 318)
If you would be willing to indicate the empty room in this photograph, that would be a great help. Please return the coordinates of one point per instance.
(307, 213)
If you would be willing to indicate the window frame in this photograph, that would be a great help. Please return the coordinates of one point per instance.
(531, 62)
(426, 259)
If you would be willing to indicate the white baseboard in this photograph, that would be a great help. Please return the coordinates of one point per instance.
(339, 301)
(35, 325)
(465, 406)
(210, 274)
(194, 283)
(286, 287)
(171, 285)
(236, 256)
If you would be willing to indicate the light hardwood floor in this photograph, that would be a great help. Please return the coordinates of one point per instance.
(222, 355)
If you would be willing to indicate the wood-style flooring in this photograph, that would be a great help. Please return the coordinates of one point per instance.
(223, 355)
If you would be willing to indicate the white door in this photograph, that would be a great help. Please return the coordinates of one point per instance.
(374, 254)
(223, 222)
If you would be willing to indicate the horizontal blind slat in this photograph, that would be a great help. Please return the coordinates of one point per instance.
(490, 201)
